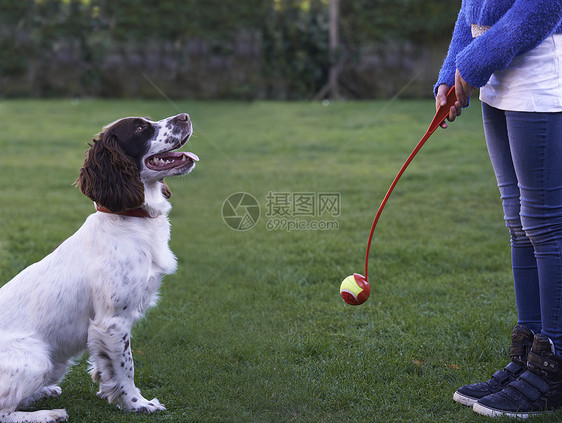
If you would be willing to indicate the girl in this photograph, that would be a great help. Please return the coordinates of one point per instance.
(512, 50)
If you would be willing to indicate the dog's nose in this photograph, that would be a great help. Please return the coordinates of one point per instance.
(182, 117)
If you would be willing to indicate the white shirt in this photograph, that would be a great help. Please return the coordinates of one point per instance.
(531, 83)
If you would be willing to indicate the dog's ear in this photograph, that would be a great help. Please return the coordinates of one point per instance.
(166, 190)
(110, 177)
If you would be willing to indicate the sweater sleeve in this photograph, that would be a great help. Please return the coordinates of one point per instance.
(462, 36)
(524, 26)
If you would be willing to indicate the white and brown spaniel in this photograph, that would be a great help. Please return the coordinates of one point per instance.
(88, 293)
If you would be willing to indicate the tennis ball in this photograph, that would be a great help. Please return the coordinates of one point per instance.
(355, 289)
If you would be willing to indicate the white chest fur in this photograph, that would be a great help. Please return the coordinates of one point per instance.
(133, 255)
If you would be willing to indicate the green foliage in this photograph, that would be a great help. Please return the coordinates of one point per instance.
(295, 56)
(140, 20)
(421, 21)
(268, 48)
(13, 57)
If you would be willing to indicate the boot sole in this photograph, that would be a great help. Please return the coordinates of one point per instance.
(463, 399)
(492, 412)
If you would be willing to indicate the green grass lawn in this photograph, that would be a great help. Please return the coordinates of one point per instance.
(251, 328)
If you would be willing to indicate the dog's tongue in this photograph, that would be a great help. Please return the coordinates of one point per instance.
(191, 155)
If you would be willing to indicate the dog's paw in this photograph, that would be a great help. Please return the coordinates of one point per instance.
(52, 391)
(141, 405)
(42, 416)
(55, 416)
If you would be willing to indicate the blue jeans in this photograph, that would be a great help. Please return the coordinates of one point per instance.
(526, 153)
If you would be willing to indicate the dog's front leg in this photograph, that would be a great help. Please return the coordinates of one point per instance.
(110, 353)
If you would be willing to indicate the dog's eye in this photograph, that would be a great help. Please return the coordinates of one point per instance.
(140, 128)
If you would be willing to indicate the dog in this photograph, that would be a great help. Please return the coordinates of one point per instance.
(91, 289)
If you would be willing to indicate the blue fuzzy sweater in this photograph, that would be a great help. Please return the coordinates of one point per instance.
(517, 26)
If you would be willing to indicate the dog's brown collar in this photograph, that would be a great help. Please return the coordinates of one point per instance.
(133, 212)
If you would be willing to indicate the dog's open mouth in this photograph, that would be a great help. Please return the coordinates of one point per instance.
(171, 160)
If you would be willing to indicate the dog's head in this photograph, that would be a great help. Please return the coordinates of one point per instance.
(131, 153)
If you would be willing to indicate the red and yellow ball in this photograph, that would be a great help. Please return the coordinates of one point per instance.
(355, 289)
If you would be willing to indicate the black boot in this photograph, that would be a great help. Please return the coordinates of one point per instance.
(521, 341)
(537, 390)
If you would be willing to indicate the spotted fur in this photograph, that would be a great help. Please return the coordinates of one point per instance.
(88, 293)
